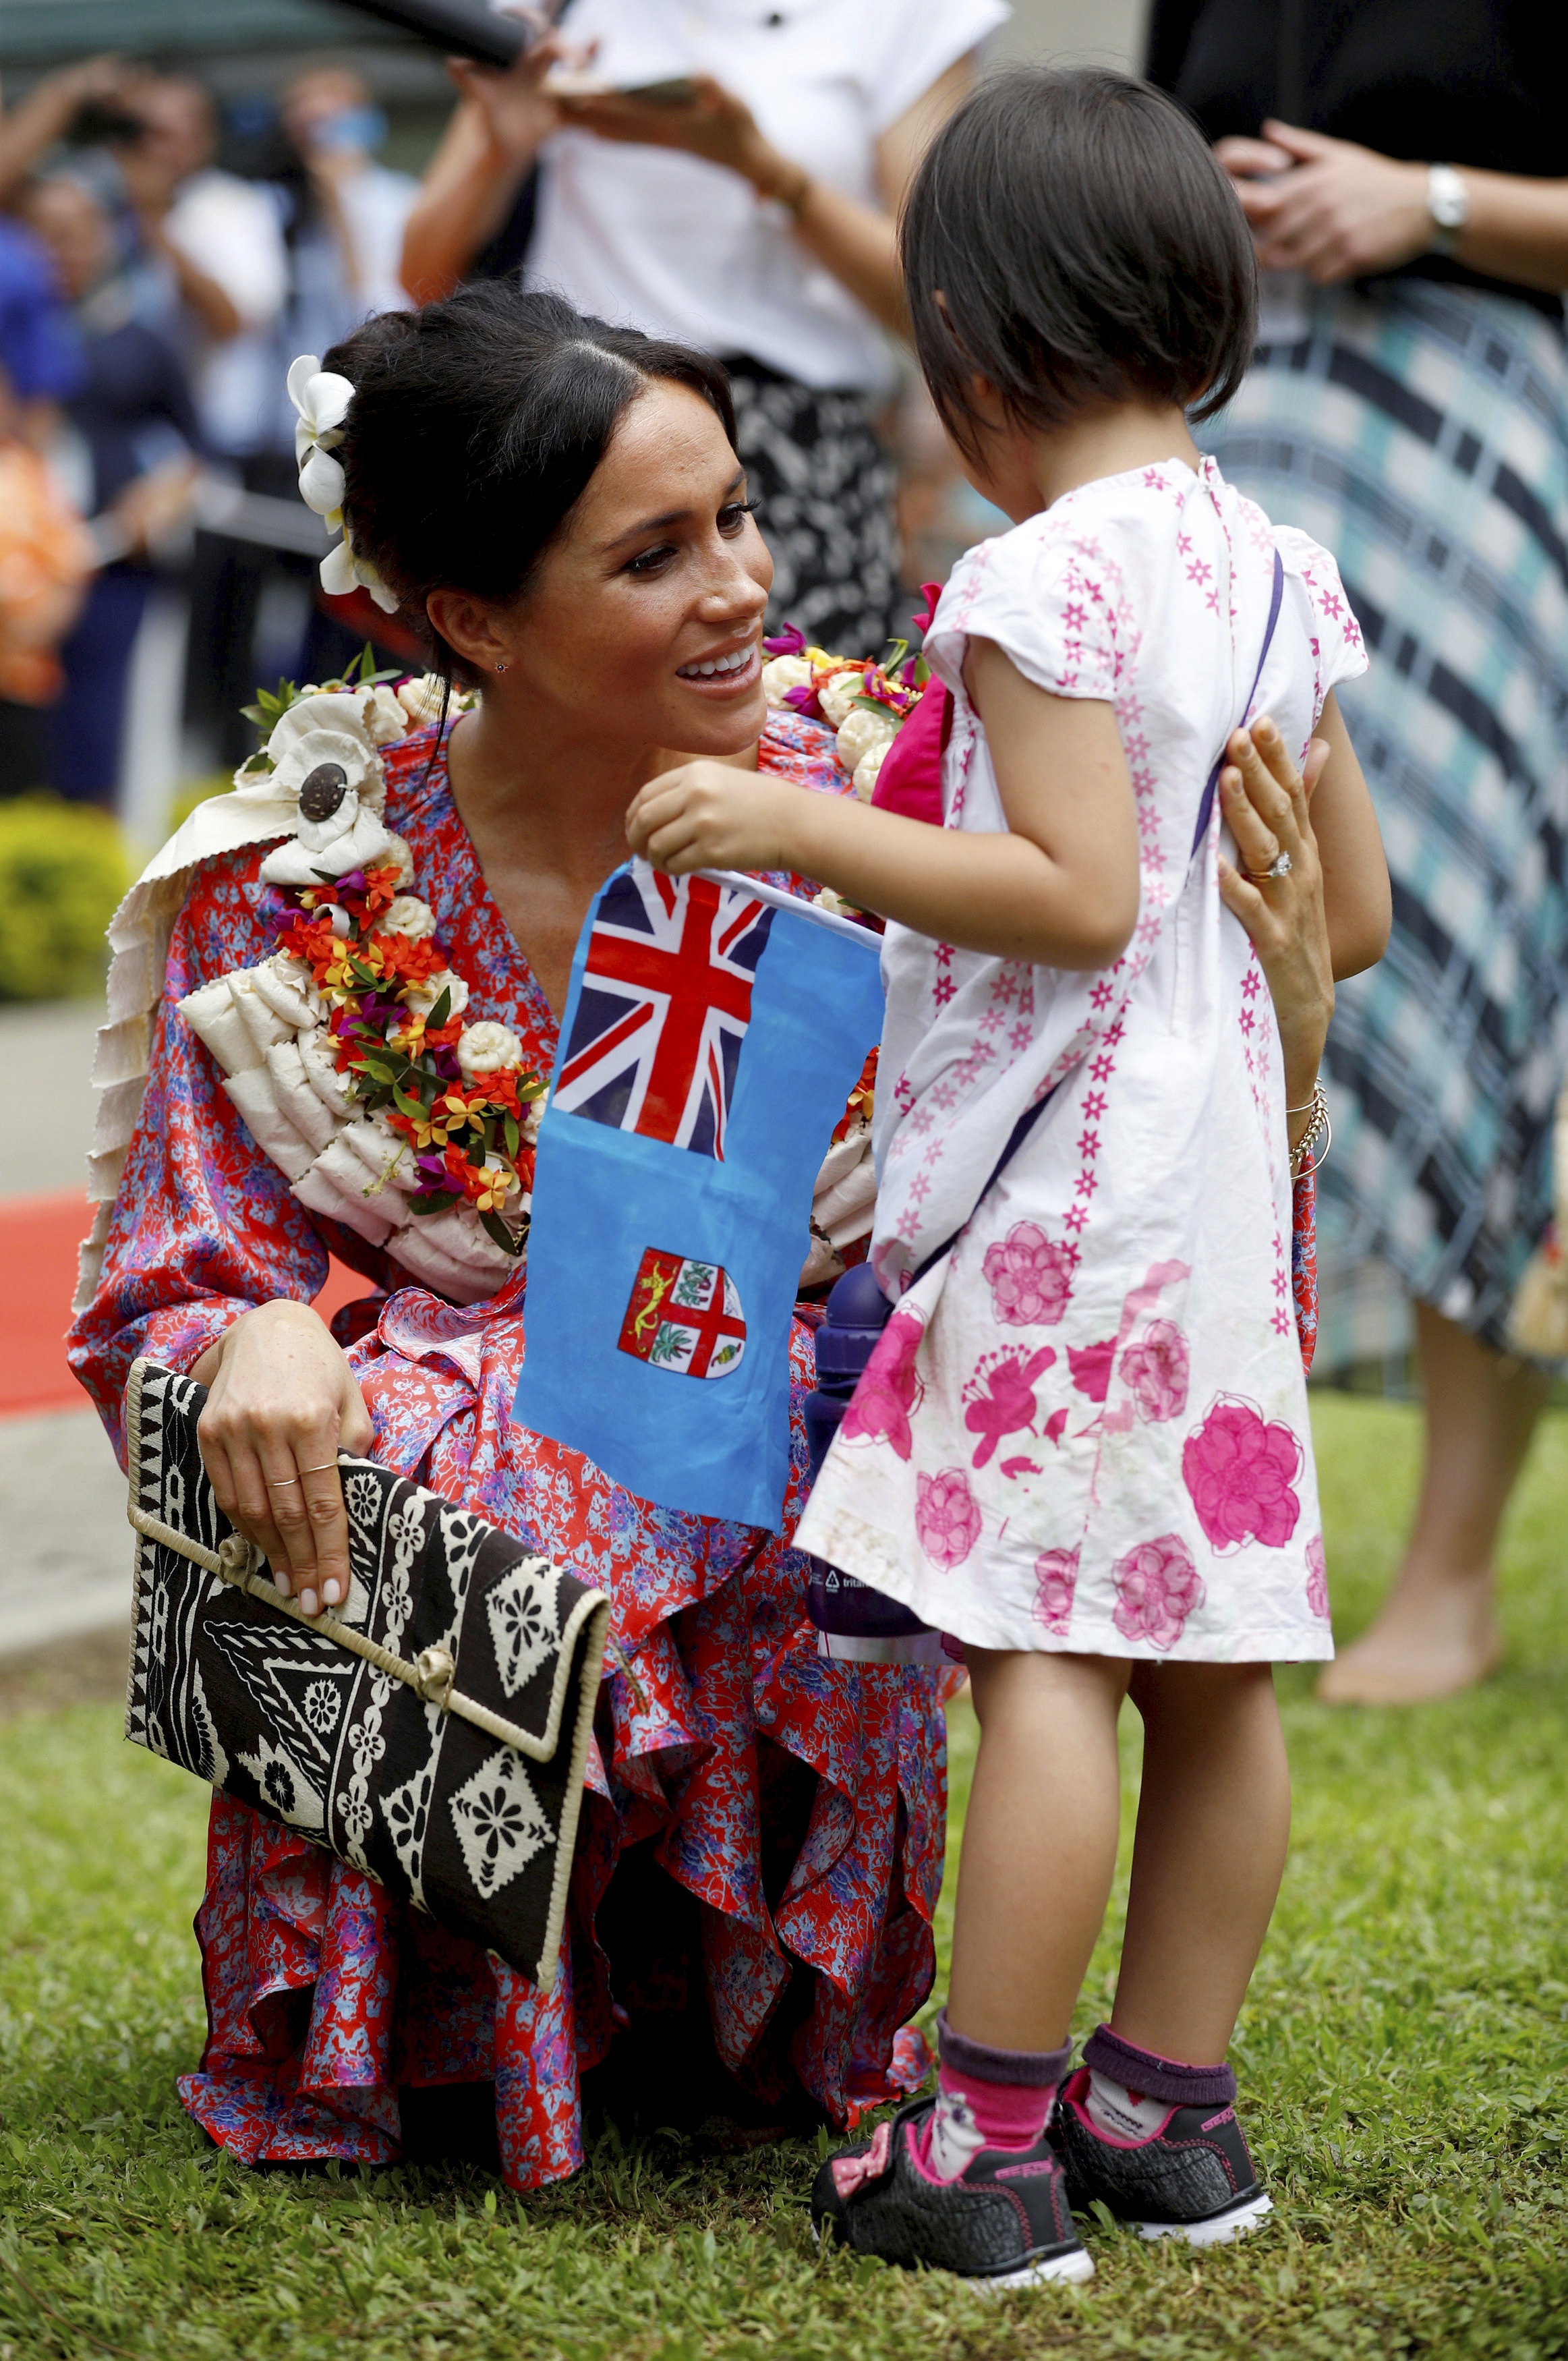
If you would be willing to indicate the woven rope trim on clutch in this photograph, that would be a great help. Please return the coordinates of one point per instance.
(430, 1673)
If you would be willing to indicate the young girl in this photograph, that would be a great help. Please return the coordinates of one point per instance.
(1082, 1444)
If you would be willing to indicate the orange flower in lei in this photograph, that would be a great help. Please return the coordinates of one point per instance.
(401, 1057)
(863, 1099)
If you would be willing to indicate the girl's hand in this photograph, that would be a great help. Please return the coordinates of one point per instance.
(282, 1403)
(715, 125)
(1264, 800)
(1327, 207)
(711, 815)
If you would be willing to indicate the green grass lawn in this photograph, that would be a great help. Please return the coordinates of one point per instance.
(1401, 2059)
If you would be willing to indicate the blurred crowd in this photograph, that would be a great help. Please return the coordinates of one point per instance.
(151, 302)
(160, 267)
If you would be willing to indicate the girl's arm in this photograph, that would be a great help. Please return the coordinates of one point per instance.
(1058, 889)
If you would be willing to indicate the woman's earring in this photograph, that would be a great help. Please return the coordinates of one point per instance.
(502, 666)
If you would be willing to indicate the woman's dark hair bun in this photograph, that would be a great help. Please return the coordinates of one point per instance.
(476, 425)
(1070, 237)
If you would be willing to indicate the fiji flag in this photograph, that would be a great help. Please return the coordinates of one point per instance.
(714, 1031)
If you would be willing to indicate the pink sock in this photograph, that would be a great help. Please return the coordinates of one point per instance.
(986, 2098)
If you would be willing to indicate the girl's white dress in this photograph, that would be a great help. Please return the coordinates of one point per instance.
(1085, 1426)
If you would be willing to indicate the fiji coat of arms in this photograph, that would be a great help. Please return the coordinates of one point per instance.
(683, 1316)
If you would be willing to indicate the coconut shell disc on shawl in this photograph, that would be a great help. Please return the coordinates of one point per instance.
(432, 1733)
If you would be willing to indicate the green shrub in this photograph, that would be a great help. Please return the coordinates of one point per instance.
(63, 871)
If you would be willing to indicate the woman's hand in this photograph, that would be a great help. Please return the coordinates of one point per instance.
(282, 1403)
(517, 111)
(1264, 798)
(714, 124)
(711, 815)
(1326, 206)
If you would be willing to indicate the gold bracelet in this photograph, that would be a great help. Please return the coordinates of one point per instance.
(1320, 1129)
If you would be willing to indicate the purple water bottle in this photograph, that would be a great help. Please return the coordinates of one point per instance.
(854, 1622)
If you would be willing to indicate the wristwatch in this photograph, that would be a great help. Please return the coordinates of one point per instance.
(1448, 202)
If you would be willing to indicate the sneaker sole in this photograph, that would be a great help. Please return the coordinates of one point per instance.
(1217, 2231)
(1072, 2270)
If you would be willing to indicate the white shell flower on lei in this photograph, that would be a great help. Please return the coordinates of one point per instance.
(488, 1047)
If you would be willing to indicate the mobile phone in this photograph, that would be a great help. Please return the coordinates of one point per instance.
(678, 91)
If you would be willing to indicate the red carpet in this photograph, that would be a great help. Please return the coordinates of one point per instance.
(39, 1238)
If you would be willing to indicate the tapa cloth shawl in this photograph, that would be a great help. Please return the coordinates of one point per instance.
(713, 1029)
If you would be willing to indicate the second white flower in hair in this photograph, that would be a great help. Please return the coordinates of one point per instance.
(344, 571)
(321, 485)
(322, 399)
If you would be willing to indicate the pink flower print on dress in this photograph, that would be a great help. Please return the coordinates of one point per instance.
(1000, 1397)
(1030, 1279)
(1056, 1578)
(1239, 1470)
(946, 1517)
(1317, 1578)
(1155, 1368)
(889, 1389)
(1156, 1589)
(1091, 1367)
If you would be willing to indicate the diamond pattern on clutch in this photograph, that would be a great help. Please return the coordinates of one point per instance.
(523, 1623)
(498, 1822)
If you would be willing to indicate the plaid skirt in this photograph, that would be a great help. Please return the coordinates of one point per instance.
(824, 482)
(1420, 432)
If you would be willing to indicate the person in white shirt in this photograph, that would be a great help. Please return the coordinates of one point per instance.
(347, 243)
(748, 209)
(222, 241)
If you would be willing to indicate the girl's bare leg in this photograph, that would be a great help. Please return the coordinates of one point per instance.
(1213, 1826)
(1040, 1847)
(1435, 1634)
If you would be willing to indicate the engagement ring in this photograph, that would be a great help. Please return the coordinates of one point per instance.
(1280, 866)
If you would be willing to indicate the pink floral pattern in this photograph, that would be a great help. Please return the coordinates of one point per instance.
(1239, 1470)
(1055, 1579)
(888, 1388)
(738, 1746)
(1155, 1368)
(1318, 1577)
(1031, 1279)
(946, 1517)
(1156, 1589)
(1000, 1397)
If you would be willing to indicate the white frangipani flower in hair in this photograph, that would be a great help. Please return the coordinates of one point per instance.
(322, 488)
(342, 571)
(321, 399)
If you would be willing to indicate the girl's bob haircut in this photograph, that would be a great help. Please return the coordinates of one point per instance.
(1069, 237)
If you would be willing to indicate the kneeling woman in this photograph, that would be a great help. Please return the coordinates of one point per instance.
(559, 508)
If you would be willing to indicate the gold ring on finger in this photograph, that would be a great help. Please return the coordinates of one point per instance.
(1280, 866)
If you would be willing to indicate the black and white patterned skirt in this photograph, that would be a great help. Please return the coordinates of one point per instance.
(823, 482)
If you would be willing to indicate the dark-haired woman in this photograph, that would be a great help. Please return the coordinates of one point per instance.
(1406, 175)
(761, 1846)
(751, 215)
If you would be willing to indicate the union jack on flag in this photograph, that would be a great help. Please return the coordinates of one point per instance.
(665, 1001)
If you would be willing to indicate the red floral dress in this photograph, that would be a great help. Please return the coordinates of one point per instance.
(796, 1806)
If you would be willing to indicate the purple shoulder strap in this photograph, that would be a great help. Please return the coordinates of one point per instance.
(1207, 806)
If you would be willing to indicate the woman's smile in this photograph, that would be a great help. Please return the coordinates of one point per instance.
(737, 671)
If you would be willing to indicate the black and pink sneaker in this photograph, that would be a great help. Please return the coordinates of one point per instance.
(1190, 2178)
(1005, 2222)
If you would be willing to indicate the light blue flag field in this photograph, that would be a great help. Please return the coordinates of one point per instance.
(714, 1031)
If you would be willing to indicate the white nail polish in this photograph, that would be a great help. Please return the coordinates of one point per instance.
(332, 1593)
(308, 1602)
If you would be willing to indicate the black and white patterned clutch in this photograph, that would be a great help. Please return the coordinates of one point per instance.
(431, 1733)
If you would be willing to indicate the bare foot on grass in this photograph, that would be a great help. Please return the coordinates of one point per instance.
(1435, 1638)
